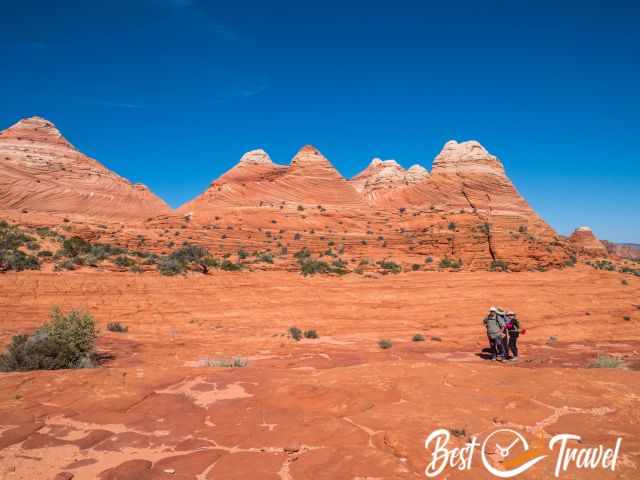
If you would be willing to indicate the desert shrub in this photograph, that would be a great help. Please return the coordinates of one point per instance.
(74, 246)
(603, 265)
(633, 271)
(450, 263)
(428, 260)
(300, 208)
(571, 262)
(65, 265)
(66, 341)
(45, 253)
(389, 266)
(385, 343)
(626, 318)
(499, 266)
(242, 254)
(418, 338)
(33, 246)
(230, 266)
(310, 334)
(311, 267)
(522, 229)
(170, 266)
(485, 228)
(607, 361)
(265, 257)
(186, 257)
(11, 238)
(415, 267)
(135, 268)
(451, 226)
(295, 333)
(297, 236)
(117, 327)
(124, 262)
(625, 282)
(17, 261)
(339, 267)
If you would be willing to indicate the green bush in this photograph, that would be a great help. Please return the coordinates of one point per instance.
(124, 262)
(295, 333)
(17, 261)
(265, 257)
(415, 267)
(389, 266)
(170, 266)
(449, 263)
(385, 343)
(66, 341)
(606, 361)
(230, 266)
(418, 338)
(117, 327)
(45, 253)
(310, 334)
(451, 226)
(74, 246)
(311, 267)
(603, 265)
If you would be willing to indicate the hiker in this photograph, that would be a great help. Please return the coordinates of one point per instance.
(495, 332)
(502, 316)
(513, 329)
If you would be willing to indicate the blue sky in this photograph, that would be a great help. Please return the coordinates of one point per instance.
(172, 92)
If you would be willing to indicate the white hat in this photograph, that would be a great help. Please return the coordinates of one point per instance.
(493, 309)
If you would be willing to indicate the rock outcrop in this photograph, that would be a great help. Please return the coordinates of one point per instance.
(41, 171)
(629, 251)
(384, 176)
(586, 242)
(310, 179)
(465, 213)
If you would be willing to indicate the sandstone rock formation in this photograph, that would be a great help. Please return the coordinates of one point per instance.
(587, 243)
(310, 179)
(623, 250)
(467, 210)
(41, 171)
(383, 176)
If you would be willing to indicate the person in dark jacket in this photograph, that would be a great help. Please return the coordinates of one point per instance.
(495, 331)
(513, 330)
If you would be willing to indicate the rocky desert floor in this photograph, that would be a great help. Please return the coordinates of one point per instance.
(336, 407)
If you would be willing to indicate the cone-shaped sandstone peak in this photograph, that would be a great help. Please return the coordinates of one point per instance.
(41, 171)
(584, 239)
(311, 163)
(36, 129)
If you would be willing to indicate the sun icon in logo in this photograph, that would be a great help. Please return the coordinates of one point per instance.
(513, 452)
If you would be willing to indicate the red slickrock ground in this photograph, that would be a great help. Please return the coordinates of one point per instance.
(337, 407)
